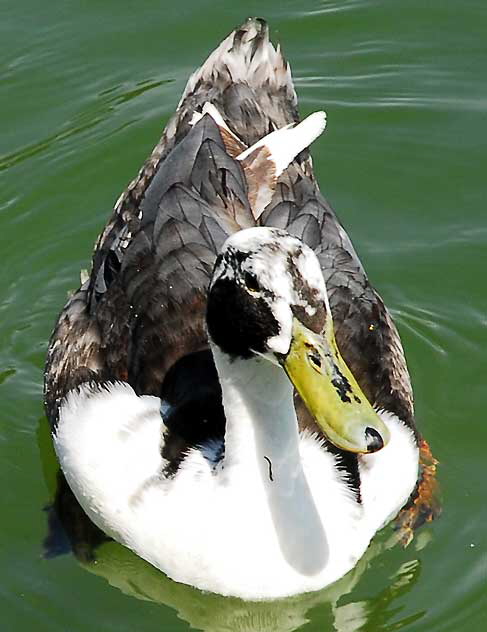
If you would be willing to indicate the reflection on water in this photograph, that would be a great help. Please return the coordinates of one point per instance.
(70, 530)
(205, 611)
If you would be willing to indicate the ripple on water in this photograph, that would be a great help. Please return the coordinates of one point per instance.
(96, 112)
(428, 326)
(335, 6)
(6, 374)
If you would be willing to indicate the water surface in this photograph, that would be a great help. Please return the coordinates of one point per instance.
(86, 90)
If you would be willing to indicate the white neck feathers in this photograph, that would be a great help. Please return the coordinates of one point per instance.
(262, 444)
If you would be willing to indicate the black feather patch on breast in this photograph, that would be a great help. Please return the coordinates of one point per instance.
(193, 414)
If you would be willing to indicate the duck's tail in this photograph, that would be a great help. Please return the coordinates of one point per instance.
(246, 56)
(249, 82)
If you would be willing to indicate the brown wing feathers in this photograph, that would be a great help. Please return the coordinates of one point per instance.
(145, 303)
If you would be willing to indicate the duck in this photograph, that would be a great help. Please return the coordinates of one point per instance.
(227, 393)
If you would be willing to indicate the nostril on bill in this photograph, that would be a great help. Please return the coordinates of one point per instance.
(373, 440)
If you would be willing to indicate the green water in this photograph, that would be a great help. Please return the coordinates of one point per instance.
(86, 89)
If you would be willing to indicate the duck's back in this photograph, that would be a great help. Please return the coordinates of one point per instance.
(142, 310)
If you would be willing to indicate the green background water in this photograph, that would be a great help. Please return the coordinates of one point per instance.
(86, 88)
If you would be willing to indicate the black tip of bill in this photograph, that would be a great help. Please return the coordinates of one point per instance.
(373, 439)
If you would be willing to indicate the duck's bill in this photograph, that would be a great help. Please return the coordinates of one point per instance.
(331, 393)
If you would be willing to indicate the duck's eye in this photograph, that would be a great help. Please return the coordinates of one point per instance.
(251, 283)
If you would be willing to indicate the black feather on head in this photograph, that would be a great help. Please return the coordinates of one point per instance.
(238, 322)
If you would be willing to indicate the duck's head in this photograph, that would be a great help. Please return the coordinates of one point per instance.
(267, 298)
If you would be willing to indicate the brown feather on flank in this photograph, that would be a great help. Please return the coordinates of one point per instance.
(424, 504)
(259, 170)
(233, 145)
(260, 173)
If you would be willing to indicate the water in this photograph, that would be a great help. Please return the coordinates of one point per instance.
(86, 90)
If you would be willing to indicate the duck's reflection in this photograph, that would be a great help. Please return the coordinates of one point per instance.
(69, 529)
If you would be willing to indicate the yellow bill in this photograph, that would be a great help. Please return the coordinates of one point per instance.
(331, 393)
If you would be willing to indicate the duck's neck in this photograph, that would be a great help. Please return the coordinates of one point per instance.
(262, 451)
(261, 424)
